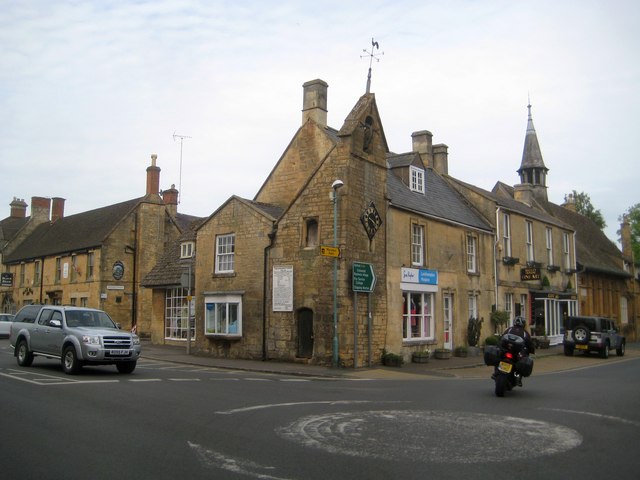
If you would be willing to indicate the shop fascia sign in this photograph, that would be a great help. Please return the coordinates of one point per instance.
(420, 276)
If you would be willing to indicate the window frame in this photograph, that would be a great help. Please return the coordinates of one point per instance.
(231, 329)
(417, 244)
(549, 236)
(187, 249)
(225, 253)
(566, 250)
(424, 320)
(506, 234)
(417, 179)
(529, 241)
(472, 253)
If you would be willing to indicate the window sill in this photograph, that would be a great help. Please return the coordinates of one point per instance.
(223, 336)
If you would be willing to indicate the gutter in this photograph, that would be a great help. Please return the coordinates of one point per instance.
(265, 264)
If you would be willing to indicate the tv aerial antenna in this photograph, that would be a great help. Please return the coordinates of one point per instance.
(372, 56)
(181, 137)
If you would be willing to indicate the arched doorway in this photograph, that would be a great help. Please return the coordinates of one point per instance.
(305, 333)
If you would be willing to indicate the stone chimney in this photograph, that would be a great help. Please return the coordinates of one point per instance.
(153, 177)
(314, 102)
(57, 208)
(170, 198)
(18, 208)
(523, 193)
(625, 236)
(422, 143)
(40, 207)
(569, 202)
(441, 158)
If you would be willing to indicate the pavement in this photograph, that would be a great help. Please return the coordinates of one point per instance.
(546, 360)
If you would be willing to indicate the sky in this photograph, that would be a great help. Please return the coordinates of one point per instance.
(90, 89)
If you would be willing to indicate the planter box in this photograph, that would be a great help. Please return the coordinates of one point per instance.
(442, 354)
(419, 358)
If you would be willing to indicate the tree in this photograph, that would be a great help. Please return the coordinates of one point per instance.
(585, 207)
(632, 215)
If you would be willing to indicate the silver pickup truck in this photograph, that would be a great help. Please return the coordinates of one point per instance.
(74, 335)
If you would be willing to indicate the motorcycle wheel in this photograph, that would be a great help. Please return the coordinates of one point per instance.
(501, 385)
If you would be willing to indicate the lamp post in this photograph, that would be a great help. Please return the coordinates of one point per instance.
(335, 186)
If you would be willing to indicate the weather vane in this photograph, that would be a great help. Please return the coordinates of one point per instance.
(372, 56)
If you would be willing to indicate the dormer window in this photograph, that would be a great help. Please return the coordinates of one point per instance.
(417, 179)
(186, 249)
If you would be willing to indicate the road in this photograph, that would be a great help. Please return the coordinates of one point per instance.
(172, 421)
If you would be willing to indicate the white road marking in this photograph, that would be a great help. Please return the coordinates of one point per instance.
(592, 414)
(291, 404)
(184, 379)
(211, 458)
(434, 436)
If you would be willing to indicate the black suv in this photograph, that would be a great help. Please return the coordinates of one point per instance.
(592, 334)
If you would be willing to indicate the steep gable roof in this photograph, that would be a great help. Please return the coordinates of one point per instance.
(439, 201)
(9, 227)
(72, 233)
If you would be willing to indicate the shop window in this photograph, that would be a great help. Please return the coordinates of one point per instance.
(417, 316)
(223, 315)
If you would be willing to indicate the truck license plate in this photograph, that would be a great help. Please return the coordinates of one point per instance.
(505, 367)
(119, 352)
(582, 347)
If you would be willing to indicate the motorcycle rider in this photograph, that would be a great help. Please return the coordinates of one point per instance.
(518, 328)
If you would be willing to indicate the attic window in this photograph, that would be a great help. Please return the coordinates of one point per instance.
(417, 179)
(186, 250)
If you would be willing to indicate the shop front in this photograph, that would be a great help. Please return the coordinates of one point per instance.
(549, 312)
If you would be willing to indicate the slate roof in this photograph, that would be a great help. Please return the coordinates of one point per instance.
(73, 233)
(440, 200)
(9, 227)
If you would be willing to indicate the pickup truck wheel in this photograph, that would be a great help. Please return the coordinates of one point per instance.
(70, 363)
(604, 353)
(568, 351)
(23, 355)
(126, 367)
(620, 350)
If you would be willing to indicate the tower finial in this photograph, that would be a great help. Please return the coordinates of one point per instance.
(372, 56)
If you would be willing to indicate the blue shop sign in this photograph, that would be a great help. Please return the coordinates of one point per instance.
(421, 276)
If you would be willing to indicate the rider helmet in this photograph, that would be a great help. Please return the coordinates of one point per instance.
(519, 322)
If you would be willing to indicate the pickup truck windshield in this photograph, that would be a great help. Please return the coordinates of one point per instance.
(80, 318)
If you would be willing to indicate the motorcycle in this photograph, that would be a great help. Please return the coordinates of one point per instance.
(511, 362)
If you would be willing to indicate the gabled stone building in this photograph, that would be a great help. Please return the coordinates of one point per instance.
(95, 258)
(274, 276)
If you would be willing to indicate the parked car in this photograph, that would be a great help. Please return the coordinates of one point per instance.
(592, 334)
(5, 324)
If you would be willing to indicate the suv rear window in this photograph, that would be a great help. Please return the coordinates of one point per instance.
(28, 314)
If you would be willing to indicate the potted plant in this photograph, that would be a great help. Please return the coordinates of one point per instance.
(421, 356)
(474, 329)
(541, 340)
(392, 359)
(442, 353)
(499, 319)
(461, 351)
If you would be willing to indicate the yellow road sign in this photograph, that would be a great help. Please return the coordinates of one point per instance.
(329, 251)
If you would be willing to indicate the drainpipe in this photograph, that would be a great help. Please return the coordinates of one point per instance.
(265, 278)
(41, 279)
(495, 256)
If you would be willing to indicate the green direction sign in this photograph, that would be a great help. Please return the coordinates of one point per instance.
(363, 278)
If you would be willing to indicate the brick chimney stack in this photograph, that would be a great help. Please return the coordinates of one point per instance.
(314, 102)
(153, 176)
(40, 207)
(170, 198)
(625, 235)
(18, 208)
(57, 208)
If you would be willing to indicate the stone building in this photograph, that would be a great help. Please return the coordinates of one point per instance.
(274, 276)
(95, 258)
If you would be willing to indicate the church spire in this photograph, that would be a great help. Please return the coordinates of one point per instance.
(532, 170)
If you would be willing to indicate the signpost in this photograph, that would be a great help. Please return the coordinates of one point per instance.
(363, 278)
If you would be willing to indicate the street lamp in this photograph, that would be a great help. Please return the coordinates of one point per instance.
(334, 197)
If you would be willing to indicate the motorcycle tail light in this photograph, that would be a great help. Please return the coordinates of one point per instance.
(509, 355)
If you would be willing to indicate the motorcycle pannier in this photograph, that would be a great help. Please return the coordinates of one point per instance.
(524, 366)
(491, 355)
